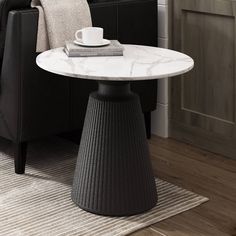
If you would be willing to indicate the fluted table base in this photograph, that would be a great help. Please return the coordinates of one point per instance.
(113, 174)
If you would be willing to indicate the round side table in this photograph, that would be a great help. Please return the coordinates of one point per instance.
(113, 174)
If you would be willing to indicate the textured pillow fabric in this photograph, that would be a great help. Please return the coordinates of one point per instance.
(5, 7)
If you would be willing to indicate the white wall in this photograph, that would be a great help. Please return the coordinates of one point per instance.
(160, 116)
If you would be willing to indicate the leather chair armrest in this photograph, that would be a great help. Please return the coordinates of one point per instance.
(18, 48)
(33, 102)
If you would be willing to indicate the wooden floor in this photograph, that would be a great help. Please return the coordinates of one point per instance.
(205, 173)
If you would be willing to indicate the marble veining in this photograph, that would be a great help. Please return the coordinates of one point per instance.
(138, 63)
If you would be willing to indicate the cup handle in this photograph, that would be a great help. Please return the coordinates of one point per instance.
(76, 35)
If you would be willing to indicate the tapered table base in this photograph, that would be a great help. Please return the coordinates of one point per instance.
(113, 174)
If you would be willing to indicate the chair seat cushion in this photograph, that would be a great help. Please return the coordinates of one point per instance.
(5, 7)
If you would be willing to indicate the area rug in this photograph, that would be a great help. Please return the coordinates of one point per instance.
(38, 203)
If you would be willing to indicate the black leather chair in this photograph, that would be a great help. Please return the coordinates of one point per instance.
(35, 103)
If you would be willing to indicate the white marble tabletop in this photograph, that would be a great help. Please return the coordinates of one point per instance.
(138, 63)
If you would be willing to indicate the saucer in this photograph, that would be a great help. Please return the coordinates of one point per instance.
(105, 42)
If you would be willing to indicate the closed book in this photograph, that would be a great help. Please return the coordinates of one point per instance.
(113, 49)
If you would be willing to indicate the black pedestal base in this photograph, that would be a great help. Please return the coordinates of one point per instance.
(113, 175)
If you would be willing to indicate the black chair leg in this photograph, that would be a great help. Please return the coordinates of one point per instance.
(20, 157)
(147, 118)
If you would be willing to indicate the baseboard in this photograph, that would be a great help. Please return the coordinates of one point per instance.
(160, 121)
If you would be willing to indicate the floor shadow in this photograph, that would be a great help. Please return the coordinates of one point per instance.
(51, 158)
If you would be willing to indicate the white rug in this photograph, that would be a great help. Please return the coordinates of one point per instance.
(38, 203)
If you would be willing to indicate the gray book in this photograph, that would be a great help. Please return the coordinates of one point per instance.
(113, 49)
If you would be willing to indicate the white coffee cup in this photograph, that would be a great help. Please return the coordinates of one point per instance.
(90, 35)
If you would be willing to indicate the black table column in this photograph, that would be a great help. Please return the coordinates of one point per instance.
(113, 174)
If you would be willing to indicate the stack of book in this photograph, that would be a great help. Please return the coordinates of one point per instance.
(113, 49)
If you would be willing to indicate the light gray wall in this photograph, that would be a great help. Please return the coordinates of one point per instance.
(160, 116)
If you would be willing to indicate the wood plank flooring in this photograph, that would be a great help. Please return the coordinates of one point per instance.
(205, 173)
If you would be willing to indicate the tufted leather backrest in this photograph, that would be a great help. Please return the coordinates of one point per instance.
(5, 7)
